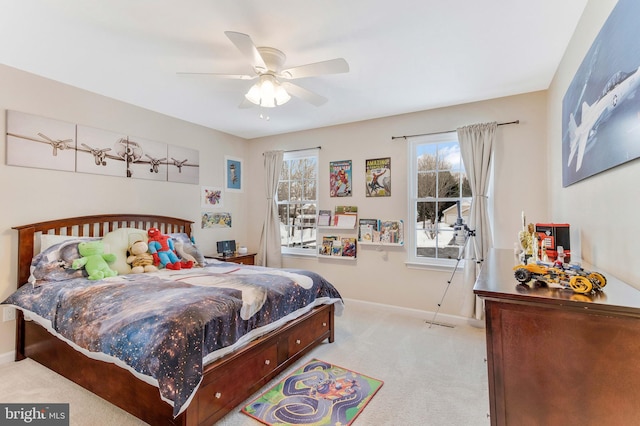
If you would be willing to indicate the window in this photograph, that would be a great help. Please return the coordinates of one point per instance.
(297, 201)
(438, 188)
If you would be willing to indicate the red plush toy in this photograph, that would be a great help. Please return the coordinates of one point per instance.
(163, 252)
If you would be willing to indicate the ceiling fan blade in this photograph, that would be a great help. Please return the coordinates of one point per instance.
(333, 66)
(244, 43)
(230, 76)
(304, 94)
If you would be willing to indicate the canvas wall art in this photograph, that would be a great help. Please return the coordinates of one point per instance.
(601, 109)
(148, 159)
(184, 164)
(100, 152)
(41, 142)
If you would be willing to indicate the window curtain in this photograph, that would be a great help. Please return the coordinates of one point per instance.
(269, 253)
(476, 147)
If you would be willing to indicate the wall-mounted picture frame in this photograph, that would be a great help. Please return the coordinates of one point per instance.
(216, 220)
(600, 107)
(233, 174)
(340, 178)
(378, 177)
(211, 197)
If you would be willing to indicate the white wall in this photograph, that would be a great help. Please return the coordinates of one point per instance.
(30, 195)
(381, 276)
(602, 209)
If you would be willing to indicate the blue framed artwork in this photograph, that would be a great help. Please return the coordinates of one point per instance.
(233, 174)
(600, 110)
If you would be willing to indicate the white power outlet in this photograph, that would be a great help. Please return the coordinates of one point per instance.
(9, 314)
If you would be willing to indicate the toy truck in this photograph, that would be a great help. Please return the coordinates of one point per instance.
(571, 276)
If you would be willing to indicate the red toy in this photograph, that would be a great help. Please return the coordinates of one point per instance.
(163, 252)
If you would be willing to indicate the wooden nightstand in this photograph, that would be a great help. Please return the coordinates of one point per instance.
(244, 259)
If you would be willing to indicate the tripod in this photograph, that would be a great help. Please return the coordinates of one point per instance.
(468, 235)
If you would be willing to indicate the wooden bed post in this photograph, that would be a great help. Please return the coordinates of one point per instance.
(25, 251)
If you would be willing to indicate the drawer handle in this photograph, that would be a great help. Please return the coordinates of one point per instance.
(324, 324)
(298, 341)
(267, 361)
(218, 395)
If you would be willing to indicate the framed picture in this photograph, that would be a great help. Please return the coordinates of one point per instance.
(232, 174)
(340, 178)
(378, 177)
(600, 108)
(216, 220)
(211, 197)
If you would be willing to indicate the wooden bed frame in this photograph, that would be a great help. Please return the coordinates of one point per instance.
(226, 383)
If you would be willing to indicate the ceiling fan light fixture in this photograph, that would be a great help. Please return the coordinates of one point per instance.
(267, 92)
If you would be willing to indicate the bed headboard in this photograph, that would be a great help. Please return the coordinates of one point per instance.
(88, 226)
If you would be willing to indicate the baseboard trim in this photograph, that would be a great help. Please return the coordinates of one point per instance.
(7, 357)
(427, 316)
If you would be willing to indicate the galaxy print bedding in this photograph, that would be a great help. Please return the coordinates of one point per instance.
(166, 326)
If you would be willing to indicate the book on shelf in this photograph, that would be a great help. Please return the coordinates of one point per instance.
(345, 216)
(324, 217)
(368, 230)
(345, 220)
(346, 209)
(336, 247)
(391, 231)
(349, 247)
(327, 245)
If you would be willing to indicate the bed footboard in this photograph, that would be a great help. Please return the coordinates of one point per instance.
(226, 383)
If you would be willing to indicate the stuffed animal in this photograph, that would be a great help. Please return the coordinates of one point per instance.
(179, 245)
(94, 260)
(163, 251)
(140, 259)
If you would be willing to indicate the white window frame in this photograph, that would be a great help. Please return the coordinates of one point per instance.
(293, 155)
(413, 260)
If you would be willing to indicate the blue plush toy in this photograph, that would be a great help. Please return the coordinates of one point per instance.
(94, 260)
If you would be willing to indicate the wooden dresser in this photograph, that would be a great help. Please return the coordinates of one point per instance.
(559, 358)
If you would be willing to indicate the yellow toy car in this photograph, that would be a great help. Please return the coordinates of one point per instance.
(566, 275)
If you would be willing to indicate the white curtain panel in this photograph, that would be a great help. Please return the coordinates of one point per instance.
(476, 146)
(269, 253)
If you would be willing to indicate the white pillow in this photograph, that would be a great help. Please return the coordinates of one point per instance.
(118, 242)
(48, 240)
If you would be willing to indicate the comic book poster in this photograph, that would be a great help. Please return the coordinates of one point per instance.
(378, 177)
(340, 178)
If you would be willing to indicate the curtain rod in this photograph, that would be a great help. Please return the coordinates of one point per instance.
(446, 131)
(301, 149)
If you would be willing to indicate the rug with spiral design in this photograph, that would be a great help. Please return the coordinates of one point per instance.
(319, 393)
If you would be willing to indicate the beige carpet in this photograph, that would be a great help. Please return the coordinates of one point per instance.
(432, 376)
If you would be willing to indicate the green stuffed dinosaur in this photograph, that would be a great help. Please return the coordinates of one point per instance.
(94, 260)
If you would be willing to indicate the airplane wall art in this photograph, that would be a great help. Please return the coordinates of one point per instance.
(45, 143)
(601, 109)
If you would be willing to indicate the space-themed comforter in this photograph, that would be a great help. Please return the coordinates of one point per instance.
(166, 326)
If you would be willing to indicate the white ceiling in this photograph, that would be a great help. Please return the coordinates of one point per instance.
(404, 55)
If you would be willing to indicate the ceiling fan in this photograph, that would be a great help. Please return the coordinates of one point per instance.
(274, 87)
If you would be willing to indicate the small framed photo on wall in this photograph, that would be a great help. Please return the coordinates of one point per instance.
(211, 197)
(233, 174)
(378, 177)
